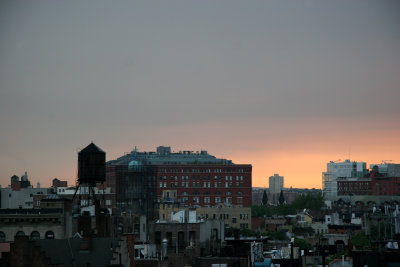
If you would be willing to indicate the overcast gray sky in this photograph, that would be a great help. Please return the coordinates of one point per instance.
(233, 77)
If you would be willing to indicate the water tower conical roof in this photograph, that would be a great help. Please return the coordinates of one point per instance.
(91, 148)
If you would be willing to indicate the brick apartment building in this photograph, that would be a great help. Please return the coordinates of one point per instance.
(206, 185)
(140, 180)
(375, 185)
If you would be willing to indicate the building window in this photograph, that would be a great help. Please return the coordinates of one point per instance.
(49, 235)
(157, 237)
(217, 200)
(181, 239)
(196, 200)
(244, 226)
(35, 235)
(233, 220)
(169, 238)
(192, 238)
(2, 236)
(206, 200)
(20, 233)
(108, 202)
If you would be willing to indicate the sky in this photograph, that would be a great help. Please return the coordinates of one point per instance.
(286, 86)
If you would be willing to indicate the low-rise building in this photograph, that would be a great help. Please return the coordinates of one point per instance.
(233, 216)
(52, 221)
(20, 194)
(267, 224)
(68, 252)
(184, 242)
(105, 196)
(320, 228)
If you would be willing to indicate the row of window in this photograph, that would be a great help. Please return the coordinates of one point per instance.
(34, 235)
(225, 216)
(84, 202)
(181, 240)
(186, 170)
(207, 200)
(196, 193)
(194, 177)
(204, 185)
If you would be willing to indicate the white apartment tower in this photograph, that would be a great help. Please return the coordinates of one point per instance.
(275, 183)
(335, 170)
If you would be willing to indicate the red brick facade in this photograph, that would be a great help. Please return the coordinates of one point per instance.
(360, 186)
(206, 185)
(385, 186)
(376, 186)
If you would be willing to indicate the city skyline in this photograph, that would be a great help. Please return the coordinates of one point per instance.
(284, 86)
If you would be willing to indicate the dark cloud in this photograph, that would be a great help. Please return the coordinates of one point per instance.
(71, 72)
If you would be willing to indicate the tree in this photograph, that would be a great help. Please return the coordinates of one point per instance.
(265, 198)
(309, 201)
(302, 244)
(361, 241)
(281, 198)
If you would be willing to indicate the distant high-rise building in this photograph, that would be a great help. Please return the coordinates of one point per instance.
(335, 170)
(275, 183)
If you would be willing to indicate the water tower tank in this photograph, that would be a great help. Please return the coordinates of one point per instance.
(91, 165)
(14, 179)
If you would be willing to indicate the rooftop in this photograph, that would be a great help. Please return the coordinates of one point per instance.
(165, 156)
